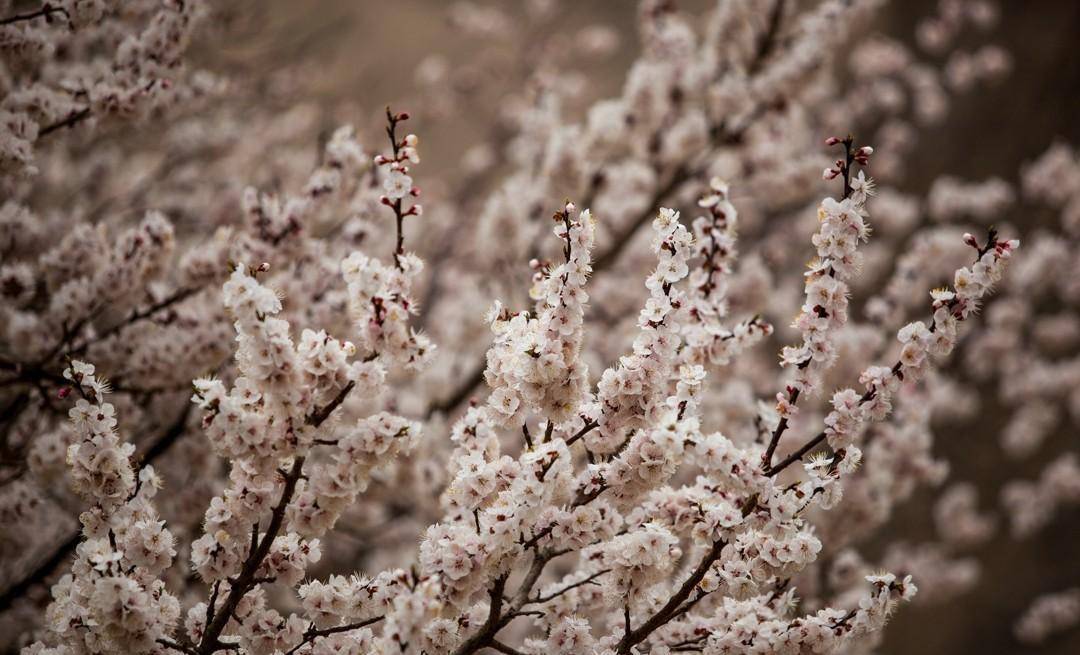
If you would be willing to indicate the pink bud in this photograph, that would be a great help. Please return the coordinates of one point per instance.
(386, 201)
(64, 392)
(830, 173)
(969, 239)
(832, 141)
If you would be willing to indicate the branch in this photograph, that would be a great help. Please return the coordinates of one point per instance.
(73, 119)
(247, 580)
(768, 40)
(168, 643)
(503, 648)
(491, 626)
(668, 611)
(586, 429)
(821, 436)
(41, 572)
(137, 316)
(312, 634)
(45, 11)
(560, 592)
(319, 416)
(774, 441)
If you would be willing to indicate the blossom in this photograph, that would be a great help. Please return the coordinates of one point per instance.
(397, 185)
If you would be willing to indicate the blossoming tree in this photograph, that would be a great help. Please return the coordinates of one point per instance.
(272, 416)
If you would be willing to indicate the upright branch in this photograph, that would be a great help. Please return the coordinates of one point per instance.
(246, 581)
(397, 183)
(824, 310)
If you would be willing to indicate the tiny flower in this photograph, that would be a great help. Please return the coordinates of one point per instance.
(397, 184)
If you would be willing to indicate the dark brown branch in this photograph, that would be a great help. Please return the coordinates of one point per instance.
(671, 608)
(768, 40)
(774, 441)
(797, 455)
(491, 626)
(312, 634)
(503, 648)
(462, 392)
(137, 316)
(72, 120)
(168, 643)
(586, 429)
(560, 592)
(39, 574)
(622, 239)
(319, 416)
(45, 11)
(247, 580)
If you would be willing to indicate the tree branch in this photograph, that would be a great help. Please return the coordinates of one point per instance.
(45, 11)
(669, 610)
(246, 581)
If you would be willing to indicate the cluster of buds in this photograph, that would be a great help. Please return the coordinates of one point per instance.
(861, 156)
(564, 218)
(397, 183)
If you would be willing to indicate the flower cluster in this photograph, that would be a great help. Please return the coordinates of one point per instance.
(533, 365)
(106, 61)
(1049, 615)
(706, 338)
(633, 393)
(381, 304)
(113, 600)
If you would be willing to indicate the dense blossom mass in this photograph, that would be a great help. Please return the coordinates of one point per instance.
(257, 398)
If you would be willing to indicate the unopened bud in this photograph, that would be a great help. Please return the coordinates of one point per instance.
(832, 141)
